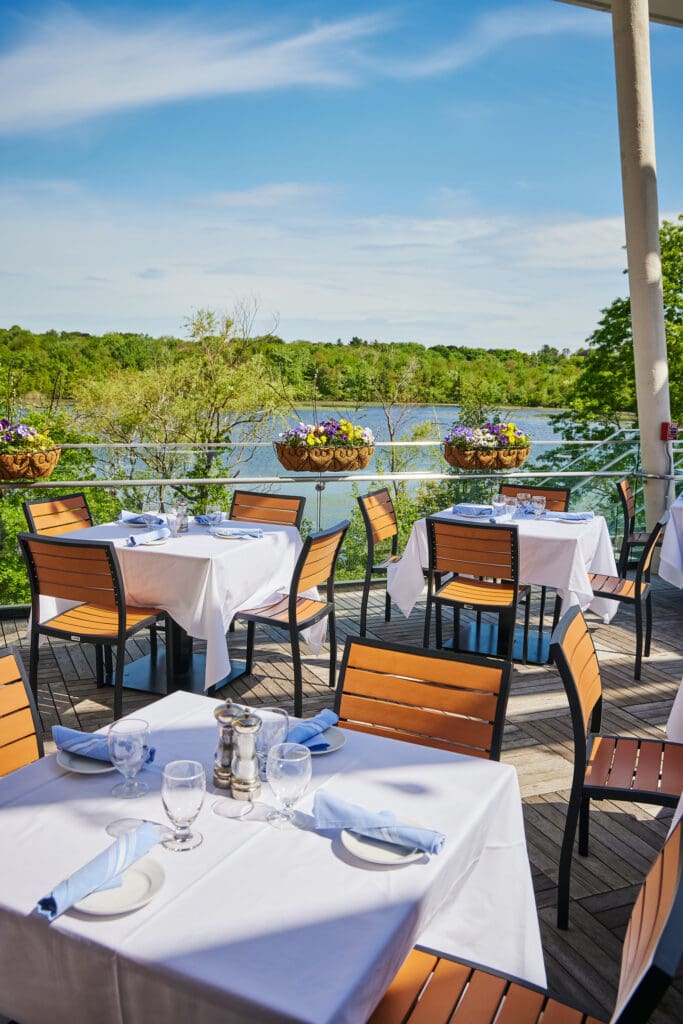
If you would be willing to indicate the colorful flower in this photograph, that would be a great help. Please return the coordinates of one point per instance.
(21, 437)
(329, 434)
(493, 434)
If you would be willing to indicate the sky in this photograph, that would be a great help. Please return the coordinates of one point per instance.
(432, 171)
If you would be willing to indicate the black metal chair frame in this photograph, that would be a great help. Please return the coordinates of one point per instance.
(372, 568)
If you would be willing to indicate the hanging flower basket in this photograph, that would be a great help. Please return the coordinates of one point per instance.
(485, 458)
(323, 459)
(37, 465)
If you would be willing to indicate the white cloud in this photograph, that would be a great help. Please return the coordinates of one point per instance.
(262, 196)
(493, 281)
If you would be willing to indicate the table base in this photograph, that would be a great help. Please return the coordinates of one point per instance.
(483, 639)
(149, 676)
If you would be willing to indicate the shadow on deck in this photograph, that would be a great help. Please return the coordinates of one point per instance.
(583, 962)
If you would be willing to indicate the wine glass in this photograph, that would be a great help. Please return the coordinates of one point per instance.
(511, 503)
(538, 505)
(128, 742)
(274, 729)
(183, 785)
(288, 771)
(524, 500)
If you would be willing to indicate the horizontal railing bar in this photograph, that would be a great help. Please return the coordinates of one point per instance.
(210, 445)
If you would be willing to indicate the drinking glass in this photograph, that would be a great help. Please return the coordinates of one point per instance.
(511, 502)
(214, 515)
(183, 785)
(288, 771)
(538, 505)
(498, 503)
(274, 729)
(524, 500)
(150, 510)
(128, 742)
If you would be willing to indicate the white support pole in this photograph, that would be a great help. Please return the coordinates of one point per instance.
(631, 32)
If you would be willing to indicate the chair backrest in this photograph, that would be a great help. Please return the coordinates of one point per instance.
(645, 561)
(317, 561)
(486, 551)
(628, 504)
(556, 498)
(379, 516)
(653, 946)
(280, 509)
(52, 516)
(573, 651)
(432, 698)
(81, 571)
(20, 732)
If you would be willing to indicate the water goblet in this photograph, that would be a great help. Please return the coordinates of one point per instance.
(538, 505)
(524, 501)
(128, 742)
(498, 504)
(183, 785)
(274, 729)
(150, 510)
(511, 503)
(214, 515)
(288, 771)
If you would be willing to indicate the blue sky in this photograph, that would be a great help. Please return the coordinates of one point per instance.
(420, 171)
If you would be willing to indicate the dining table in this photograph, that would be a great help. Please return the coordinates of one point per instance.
(671, 557)
(553, 552)
(260, 923)
(201, 580)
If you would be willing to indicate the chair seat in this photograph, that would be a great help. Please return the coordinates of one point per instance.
(91, 620)
(614, 586)
(278, 613)
(466, 591)
(428, 989)
(622, 763)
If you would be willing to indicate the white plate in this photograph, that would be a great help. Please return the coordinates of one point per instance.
(334, 736)
(83, 765)
(149, 543)
(377, 851)
(140, 882)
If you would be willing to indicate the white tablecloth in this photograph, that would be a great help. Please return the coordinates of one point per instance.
(257, 923)
(671, 560)
(551, 554)
(201, 580)
(674, 725)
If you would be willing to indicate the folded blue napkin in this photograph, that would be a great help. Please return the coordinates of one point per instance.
(465, 509)
(140, 519)
(204, 520)
(332, 813)
(103, 872)
(87, 744)
(148, 537)
(236, 532)
(309, 732)
(559, 517)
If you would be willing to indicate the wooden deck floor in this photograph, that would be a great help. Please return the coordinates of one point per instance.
(583, 962)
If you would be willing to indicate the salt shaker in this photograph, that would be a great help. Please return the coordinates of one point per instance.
(181, 515)
(246, 784)
(225, 715)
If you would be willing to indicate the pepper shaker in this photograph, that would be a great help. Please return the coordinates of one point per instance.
(226, 715)
(246, 784)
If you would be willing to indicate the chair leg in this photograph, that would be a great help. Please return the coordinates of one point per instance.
(364, 603)
(153, 642)
(639, 639)
(99, 666)
(584, 824)
(506, 635)
(428, 621)
(108, 664)
(387, 607)
(527, 625)
(33, 665)
(648, 625)
(439, 627)
(333, 649)
(251, 629)
(118, 680)
(565, 870)
(296, 665)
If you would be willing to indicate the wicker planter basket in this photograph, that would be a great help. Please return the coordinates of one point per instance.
(485, 458)
(28, 465)
(322, 459)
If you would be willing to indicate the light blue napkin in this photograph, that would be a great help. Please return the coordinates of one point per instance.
(559, 517)
(87, 744)
(103, 872)
(140, 519)
(205, 520)
(237, 532)
(309, 732)
(475, 511)
(136, 539)
(332, 813)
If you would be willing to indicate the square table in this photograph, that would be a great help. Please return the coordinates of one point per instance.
(258, 923)
(551, 554)
(201, 581)
(671, 558)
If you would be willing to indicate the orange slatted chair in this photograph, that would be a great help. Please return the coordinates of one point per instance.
(556, 498)
(632, 539)
(21, 739)
(294, 612)
(455, 702)
(86, 572)
(280, 509)
(644, 771)
(379, 517)
(431, 988)
(634, 591)
(473, 566)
